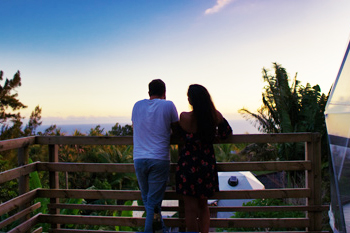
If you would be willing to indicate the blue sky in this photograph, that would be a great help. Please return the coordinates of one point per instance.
(89, 61)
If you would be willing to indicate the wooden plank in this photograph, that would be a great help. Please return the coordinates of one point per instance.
(267, 208)
(23, 159)
(313, 180)
(317, 169)
(263, 193)
(86, 231)
(268, 138)
(99, 231)
(212, 209)
(84, 140)
(172, 195)
(95, 207)
(38, 230)
(19, 215)
(90, 194)
(17, 172)
(279, 231)
(265, 166)
(16, 143)
(175, 222)
(24, 227)
(106, 207)
(87, 167)
(129, 167)
(91, 220)
(18, 201)
(23, 181)
(128, 140)
(116, 140)
(259, 222)
(53, 180)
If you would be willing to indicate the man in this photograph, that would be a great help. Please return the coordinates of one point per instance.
(153, 120)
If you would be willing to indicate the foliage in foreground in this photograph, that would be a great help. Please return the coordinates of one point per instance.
(289, 109)
(265, 214)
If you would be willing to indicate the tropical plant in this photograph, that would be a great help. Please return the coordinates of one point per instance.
(288, 109)
(291, 108)
(265, 214)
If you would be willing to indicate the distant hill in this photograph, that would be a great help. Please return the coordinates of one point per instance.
(238, 127)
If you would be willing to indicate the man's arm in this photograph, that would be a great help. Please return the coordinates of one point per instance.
(175, 131)
(175, 128)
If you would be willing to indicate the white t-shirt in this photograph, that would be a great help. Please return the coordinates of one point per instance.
(152, 128)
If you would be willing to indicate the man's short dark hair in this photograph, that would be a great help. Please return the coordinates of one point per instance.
(156, 87)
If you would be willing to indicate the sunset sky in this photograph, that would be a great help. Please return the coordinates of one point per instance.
(89, 61)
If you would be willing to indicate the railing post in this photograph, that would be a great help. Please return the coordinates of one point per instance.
(23, 159)
(182, 215)
(23, 181)
(53, 180)
(313, 181)
(181, 204)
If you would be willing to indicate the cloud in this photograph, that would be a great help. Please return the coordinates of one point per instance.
(219, 5)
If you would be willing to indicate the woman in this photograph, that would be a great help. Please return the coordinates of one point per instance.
(196, 173)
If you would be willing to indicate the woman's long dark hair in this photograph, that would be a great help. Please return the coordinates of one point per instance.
(204, 112)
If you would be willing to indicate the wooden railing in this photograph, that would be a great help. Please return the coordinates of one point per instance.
(24, 203)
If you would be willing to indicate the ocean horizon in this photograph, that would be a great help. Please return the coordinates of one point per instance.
(238, 127)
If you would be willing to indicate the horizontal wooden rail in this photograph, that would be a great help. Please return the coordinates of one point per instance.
(265, 166)
(129, 167)
(19, 215)
(18, 201)
(25, 226)
(62, 230)
(263, 193)
(17, 172)
(272, 138)
(174, 222)
(86, 167)
(260, 222)
(172, 195)
(92, 220)
(212, 209)
(127, 140)
(106, 207)
(117, 140)
(16, 143)
(38, 230)
(267, 208)
(84, 140)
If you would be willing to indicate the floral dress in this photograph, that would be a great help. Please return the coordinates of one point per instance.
(196, 172)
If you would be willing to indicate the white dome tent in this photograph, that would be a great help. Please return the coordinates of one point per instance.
(338, 126)
(246, 181)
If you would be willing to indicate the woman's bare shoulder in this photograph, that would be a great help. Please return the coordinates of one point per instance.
(186, 115)
(187, 121)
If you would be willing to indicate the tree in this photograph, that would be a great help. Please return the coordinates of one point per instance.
(34, 121)
(118, 130)
(10, 106)
(8, 99)
(288, 109)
